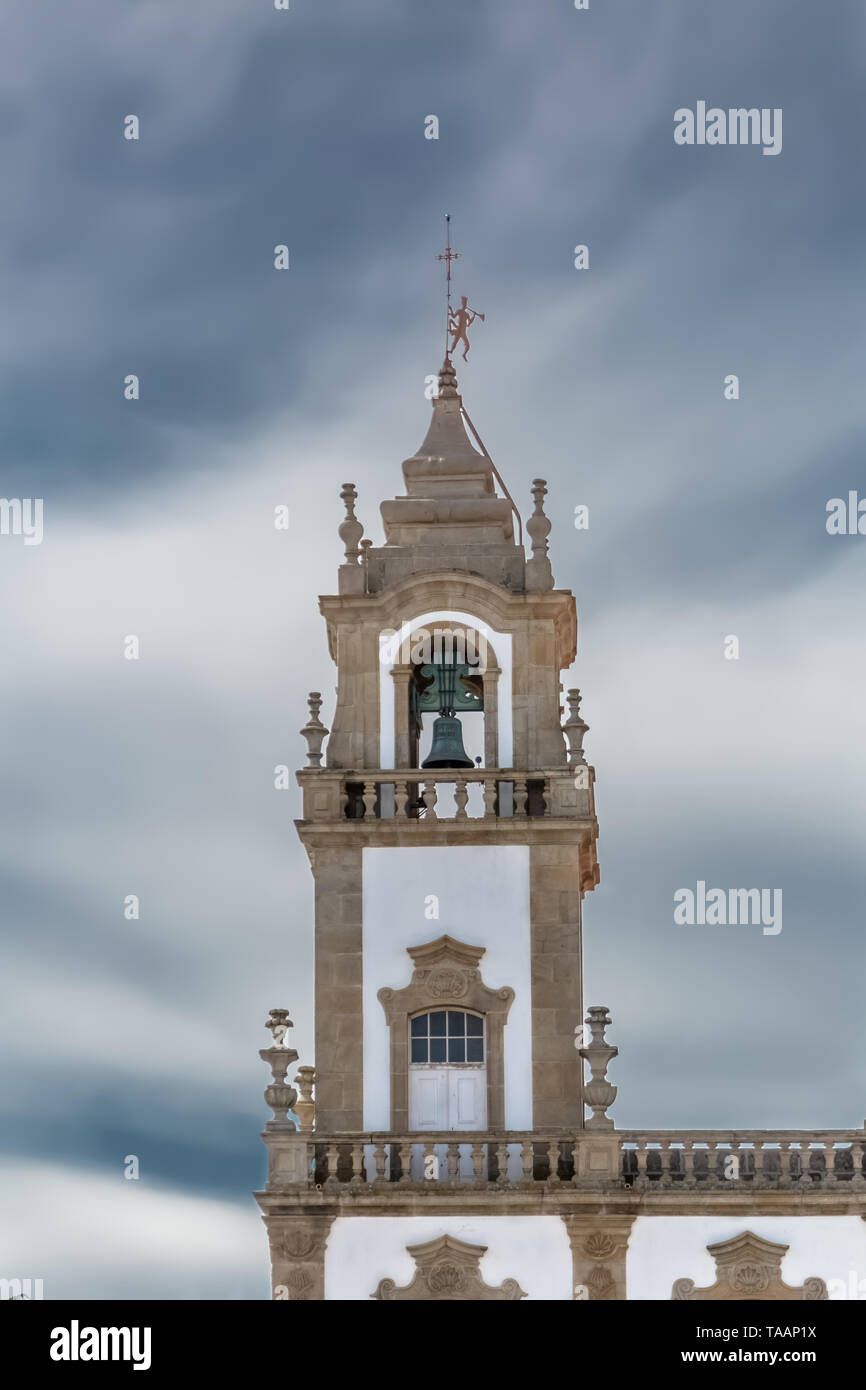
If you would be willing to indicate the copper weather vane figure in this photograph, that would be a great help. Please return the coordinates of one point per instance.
(457, 321)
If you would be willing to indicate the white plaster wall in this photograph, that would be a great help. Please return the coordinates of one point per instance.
(388, 654)
(665, 1248)
(534, 1250)
(483, 893)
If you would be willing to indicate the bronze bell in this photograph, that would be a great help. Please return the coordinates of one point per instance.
(447, 748)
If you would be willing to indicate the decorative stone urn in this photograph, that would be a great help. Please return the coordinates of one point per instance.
(278, 1095)
(600, 1094)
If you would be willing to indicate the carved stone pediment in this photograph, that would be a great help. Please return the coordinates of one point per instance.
(749, 1268)
(447, 1269)
(446, 972)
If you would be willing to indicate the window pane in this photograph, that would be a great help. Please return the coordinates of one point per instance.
(456, 1025)
(437, 1025)
(456, 1050)
(474, 1026)
(437, 1049)
(475, 1050)
(419, 1049)
(419, 1027)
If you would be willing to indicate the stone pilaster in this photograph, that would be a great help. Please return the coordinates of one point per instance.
(490, 685)
(298, 1256)
(401, 676)
(598, 1250)
(557, 1005)
(339, 990)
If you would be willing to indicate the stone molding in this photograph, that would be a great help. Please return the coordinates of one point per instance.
(749, 1268)
(447, 1270)
(447, 973)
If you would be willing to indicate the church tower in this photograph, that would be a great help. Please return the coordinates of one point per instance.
(451, 834)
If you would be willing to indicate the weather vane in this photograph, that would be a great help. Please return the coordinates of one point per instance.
(457, 321)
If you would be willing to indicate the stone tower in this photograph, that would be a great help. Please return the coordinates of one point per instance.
(447, 905)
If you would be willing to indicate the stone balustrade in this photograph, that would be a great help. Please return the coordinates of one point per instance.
(759, 1158)
(650, 1160)
(453, 794)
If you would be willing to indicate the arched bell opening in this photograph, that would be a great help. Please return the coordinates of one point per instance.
(446, 704)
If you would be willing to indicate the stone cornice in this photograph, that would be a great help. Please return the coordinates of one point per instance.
(418, 1199)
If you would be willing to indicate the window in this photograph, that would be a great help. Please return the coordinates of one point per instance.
(446, 1036)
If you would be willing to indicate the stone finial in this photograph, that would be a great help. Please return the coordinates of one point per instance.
(599, 1093)
(350, 529)
(447, 388)
(539, 575)
(575, 728)
(305, 1108)
(278, 1095)
(314, 732)
(279, 1023)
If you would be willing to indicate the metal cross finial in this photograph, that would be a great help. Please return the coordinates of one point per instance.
(448, 256)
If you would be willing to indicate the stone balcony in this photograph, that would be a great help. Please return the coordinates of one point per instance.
(661, 1171)
(454, 794)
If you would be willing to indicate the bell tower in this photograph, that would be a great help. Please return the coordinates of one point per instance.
(451, 834)
(449, 617)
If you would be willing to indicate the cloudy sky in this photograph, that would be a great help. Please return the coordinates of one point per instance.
(261, 387)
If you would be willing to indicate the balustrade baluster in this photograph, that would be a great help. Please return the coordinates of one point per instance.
(759, 1154)
(553, 1160)
(461, 796)
(527, 1160)
(358, 1174)
(520, 798)
(857, 1163)
(665, 1156)
(785, 1158)
(427, 1166)
(489, 797)
(428, 796)
(641, 1181)
(479, 1155)
(369, 799)
(712, 1162)
(401, 796)
(809, 1162)
(332, 1154)
(545, 796)
(380, 1159)
(405, 1153)
(502, 1161)
(829, 1178)
(453, 1162)
(688, 1163)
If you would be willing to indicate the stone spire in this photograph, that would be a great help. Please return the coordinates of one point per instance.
(447, 465)
(451, 516)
